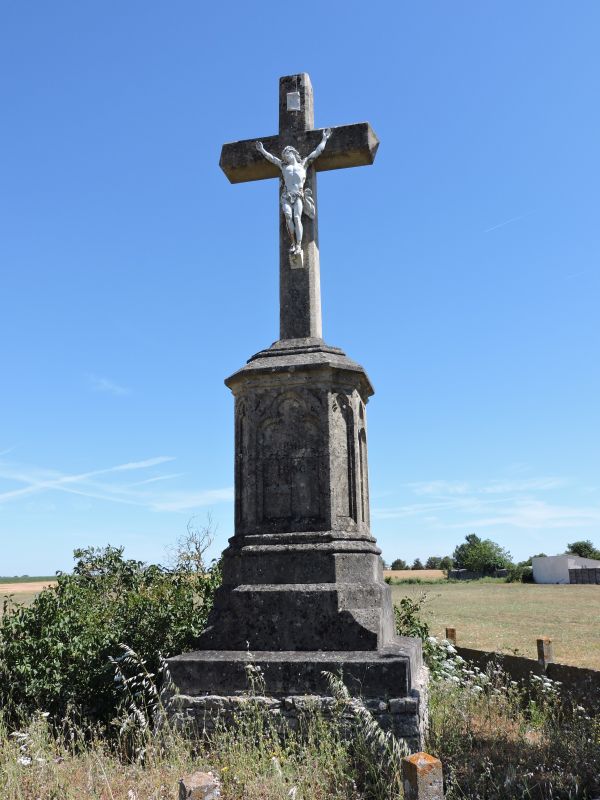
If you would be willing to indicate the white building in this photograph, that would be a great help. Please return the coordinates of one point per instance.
(555, 569)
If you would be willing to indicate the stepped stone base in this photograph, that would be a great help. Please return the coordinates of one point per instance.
(293, 687)
(213, 686)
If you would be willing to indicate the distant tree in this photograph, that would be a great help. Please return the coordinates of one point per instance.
(385, 563)
(529, 561)
(399, 563)
(417, 564)
(433, 562)
(447, 562)
(480, 555)
(584, 548)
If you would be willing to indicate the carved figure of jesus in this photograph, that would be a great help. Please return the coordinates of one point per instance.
(295, 199)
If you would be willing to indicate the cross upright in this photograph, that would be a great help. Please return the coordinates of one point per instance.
(347, 146)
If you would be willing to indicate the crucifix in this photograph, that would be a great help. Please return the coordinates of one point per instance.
(295, 155)
(302, 590)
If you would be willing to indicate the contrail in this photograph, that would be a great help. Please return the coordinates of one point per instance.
(507, 222)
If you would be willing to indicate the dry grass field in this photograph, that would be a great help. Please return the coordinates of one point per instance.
(22, 591)
(508, 617)
(421, 574)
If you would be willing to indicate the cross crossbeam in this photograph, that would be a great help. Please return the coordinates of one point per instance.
(350, 146)
(331, 148)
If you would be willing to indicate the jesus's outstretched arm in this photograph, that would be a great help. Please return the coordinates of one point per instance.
(269, 156)
(319, 149)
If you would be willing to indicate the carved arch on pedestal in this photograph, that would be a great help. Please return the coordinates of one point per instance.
(289, 462)
(240, 447)
(344, 459)
(363, 471)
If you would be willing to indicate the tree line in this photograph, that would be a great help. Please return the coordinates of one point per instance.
(486, 556)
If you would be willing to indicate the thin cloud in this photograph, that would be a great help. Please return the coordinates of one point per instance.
(149, 462)
(526, 485)
(143, 493)
(577, 274)
(499, 502)
(537, 514)
(157, 478)
(442, 488)
(40, 480)
(100, 384)
(438, 487)
(185, 501)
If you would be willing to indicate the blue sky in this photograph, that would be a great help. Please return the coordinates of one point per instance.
(462, 269)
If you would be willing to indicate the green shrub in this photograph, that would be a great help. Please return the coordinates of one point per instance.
(408, 620)
(55, 654)
(519, 573)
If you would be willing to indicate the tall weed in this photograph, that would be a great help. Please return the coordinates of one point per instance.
(500, 740)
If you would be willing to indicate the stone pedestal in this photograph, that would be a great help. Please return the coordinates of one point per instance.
(303, 588)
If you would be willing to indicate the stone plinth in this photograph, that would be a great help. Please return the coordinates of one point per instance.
(302, 571)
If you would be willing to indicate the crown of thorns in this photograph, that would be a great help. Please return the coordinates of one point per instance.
(290, 149)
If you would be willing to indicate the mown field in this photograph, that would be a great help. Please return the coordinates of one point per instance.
(508, 617)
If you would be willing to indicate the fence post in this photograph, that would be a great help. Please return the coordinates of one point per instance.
(422, 777)
(545, 651)
(451, 635)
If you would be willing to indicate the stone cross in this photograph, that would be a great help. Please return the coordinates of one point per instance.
(349, 146)
(302, 590)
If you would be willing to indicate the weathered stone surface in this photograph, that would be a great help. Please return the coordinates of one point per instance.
(406, 705)
(378, 673)
(302, 571)
(353, 146)
(194, 715)
(422, 777)
(199, 786)
(349, 146)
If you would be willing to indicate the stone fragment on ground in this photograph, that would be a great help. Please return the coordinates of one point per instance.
(199, 786)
